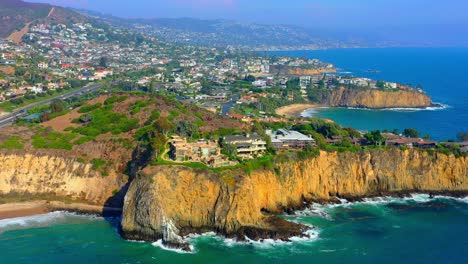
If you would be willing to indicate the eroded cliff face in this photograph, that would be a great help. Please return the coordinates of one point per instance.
(46, 174)
(377, 99)
(300, 71)
(171, 201)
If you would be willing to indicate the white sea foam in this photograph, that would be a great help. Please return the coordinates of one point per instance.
(195, 236)
(42, 220)
(322, 210)
(328, 250)
(430, 108)
(313, 210)
(161, 245)
(308, 236)
(313, 111)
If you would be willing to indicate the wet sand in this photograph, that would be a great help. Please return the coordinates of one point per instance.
(14, 210)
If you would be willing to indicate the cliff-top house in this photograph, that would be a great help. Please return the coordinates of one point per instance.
(203, 151)
(248, 145)
(289, 139)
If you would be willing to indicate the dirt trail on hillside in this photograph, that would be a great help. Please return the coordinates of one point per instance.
(17, 36)
(51, 11)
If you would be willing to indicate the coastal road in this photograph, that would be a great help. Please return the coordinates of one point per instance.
(226, 107)
(10, 118)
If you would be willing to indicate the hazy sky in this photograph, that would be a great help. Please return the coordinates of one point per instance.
(420, 17)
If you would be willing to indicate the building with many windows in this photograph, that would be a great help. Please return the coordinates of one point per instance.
(290, 139)
(248, 146)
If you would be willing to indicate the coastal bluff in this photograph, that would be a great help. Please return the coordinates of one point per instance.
(55, 177)
(169, 202)
(377, 99)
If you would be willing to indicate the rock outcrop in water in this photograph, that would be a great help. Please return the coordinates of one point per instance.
(168, 202)
(377, 99)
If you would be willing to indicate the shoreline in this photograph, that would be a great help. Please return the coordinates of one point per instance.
(25, 209)
(285, 229)
(295, 110)
(15, 210)
(300, 230)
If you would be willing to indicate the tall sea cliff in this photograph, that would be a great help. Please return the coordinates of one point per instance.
(376, 99)
(168, 202)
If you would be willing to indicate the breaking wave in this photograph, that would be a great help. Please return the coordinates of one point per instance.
(43, 220)
(323, 210)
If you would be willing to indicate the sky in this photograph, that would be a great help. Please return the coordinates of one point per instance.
(432, 19)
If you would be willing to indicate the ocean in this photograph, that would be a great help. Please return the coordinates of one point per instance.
(443, 73)
(387, 230)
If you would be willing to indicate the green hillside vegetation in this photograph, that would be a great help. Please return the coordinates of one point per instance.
(149, 120)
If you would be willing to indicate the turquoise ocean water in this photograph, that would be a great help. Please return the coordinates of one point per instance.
(443, 73)
(414, 230)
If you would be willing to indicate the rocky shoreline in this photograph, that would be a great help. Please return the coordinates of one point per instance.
(168, 202)
(433, 105)
(297, 110)
(285, 230)
(174, 201)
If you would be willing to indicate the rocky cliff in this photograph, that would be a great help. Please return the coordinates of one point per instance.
(167, 202)
(299, 71)
(312, 71)
(377, 99)
(47, 175)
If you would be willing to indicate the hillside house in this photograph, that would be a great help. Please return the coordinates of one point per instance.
(248, 145)
(290, 139)
(203, 151)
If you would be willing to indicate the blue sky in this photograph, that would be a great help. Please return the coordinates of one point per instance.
(411, 18)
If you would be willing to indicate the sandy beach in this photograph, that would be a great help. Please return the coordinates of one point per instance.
(294, 110)
(13, 210)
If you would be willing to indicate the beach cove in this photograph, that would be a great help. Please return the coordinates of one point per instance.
(441, 72)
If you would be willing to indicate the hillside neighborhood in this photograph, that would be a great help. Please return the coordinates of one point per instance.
(53, 58)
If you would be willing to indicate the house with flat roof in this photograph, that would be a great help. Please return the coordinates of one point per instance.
(203, 151)
(247, 145)
(411, 142)
(290, 139)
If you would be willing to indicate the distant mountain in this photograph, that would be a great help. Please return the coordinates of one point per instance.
(16, 14)
(222, 33)
(232, 33)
